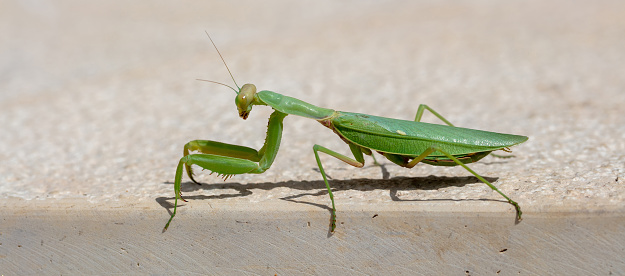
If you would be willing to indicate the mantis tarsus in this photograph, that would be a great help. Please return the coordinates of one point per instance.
(404, 143)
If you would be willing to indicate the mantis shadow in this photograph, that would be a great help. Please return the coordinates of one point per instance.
(318, 188)
(394, 185)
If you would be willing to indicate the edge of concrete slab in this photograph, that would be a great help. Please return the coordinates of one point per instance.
(72, 236)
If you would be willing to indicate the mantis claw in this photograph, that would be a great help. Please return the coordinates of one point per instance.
(190, 173)
(181, 198)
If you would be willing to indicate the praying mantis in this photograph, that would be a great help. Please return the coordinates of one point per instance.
(405, 143)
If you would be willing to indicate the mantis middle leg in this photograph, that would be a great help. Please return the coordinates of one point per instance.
(359, 162)
(227, 159)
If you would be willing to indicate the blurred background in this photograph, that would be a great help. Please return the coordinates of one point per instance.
(101, 96)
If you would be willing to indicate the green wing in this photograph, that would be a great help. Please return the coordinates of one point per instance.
(412, 138)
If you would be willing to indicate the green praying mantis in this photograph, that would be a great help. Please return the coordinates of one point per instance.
(405, 143)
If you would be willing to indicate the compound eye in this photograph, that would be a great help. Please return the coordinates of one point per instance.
(244, 100)
(246, 95)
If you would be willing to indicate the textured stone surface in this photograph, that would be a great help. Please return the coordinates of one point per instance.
(97, 100)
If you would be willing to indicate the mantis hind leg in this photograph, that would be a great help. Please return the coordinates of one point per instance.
(423, 107)
(436, 148)
(358, 162)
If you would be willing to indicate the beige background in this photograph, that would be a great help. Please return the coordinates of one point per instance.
(97, 100)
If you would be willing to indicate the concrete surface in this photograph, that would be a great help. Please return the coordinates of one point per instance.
(97, 100)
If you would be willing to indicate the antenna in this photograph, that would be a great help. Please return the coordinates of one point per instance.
(220, 83)
(222, 59)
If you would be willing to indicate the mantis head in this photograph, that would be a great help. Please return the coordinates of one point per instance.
(245, 95)
(245, 100)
